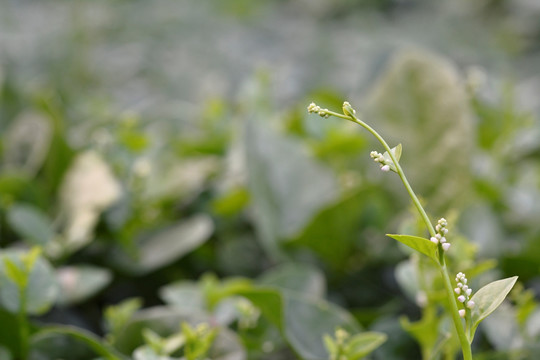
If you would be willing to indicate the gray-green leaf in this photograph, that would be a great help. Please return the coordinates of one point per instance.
(30, 224)
(77, 283)
(488, 298)
(41, 290)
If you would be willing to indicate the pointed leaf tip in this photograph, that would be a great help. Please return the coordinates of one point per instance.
(489, 297)
(417, 243)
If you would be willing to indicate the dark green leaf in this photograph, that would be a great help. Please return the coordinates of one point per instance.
(303, 320)
(86, 337)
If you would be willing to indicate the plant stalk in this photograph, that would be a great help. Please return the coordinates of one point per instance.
(465, 345)
(23, 324)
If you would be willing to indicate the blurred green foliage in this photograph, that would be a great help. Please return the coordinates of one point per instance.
(161, 156)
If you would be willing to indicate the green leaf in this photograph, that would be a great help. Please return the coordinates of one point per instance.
(41, 290)
(15, 273)
(89, 339)
(421, 97)
(287, 186)
(166, 321)
(184, 295)
(167, 245)
(147, 353)
(78, 283)
(396, 151)
(488, 298)
(364, 343)
(270, 303)
(301, 278)
(332, 232)
(117, 316)
(231, 202)
(417, 243)
(425, 331)
(30, 224)
(302, 320)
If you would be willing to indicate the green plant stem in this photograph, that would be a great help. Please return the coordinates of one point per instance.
(23, 324)
(400, 172)
(465, 345)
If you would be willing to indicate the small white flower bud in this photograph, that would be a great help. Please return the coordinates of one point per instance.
(438, 236)
(465, 287)
(385, 168)
(434, 240)
(460, 285)
(442, 240)
(462, 313)
(470, 304)
(347, 109)
(437, 228)
(457, 290)
(445, 231)
(461, 298)
(468, 292)
(446, 246)
(464, 280)
(313, 108)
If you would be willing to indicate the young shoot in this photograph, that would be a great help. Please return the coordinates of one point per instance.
(462, 303)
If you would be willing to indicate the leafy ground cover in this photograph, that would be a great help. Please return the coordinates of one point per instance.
(164, 193)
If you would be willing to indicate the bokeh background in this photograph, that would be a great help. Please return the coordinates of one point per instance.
(145, 143)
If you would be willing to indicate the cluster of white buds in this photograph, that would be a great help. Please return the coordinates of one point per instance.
(316, 109)
(379, 158)
(464, 293)
(440, 236)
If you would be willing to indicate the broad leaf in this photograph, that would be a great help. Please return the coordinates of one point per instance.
(77, 283)
(287, 186)
(333, 231)
(303, 321)
(30, 224)
(417, 243)
(488, 298)
(185, 295)
(301, 278)
(167, 245)
(421, 98)
(41, 291)
(44, 339)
